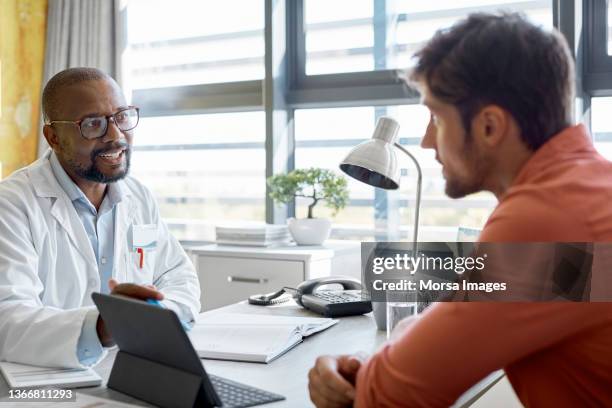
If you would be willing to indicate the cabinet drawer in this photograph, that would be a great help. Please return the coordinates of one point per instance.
(225, 280)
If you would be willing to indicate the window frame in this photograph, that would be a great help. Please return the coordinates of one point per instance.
(597, 75)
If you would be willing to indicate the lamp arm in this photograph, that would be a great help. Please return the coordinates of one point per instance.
(418, 198)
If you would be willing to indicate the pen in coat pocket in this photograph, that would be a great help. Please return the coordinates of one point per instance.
(141, 259)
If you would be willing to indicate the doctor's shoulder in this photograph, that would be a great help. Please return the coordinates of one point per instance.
(20, 208)
(16, 191)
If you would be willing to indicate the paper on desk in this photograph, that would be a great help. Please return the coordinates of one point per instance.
(26, 376)
(82, 401)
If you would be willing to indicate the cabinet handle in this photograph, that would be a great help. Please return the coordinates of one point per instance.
(246, 280)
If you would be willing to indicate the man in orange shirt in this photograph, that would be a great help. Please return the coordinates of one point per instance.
(500, 92)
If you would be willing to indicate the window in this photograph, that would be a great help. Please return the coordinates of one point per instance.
(325, 136)
(198, 73)
(203, 165)
(599, 74)
(187, 42)
(343, 37)
(601, 125)
(365, 35)
(597, 78)
(609, 31)
(207, 168)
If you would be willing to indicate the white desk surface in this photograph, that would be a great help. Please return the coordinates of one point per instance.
(288, 374)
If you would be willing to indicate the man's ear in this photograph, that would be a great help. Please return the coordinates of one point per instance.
(51, 137)
(490, 125)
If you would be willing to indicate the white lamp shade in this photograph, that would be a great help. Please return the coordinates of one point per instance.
(374, 162)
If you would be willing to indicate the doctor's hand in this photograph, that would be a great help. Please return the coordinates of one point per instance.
(331, 382)
(142, 292)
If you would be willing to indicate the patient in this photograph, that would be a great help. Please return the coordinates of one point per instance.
(500, 92)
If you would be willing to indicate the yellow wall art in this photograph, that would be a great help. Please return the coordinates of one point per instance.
(22, 46)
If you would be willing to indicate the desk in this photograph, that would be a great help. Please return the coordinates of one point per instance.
(288, 374)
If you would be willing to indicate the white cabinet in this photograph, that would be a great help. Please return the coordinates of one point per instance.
(229, 274)
(226, 280)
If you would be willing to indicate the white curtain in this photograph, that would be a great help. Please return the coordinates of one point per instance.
(84, 33)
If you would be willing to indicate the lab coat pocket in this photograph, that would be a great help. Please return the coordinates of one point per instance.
(141, 265)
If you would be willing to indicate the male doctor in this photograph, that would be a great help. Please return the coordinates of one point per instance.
(72, 223)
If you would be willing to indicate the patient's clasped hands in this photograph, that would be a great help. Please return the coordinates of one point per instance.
(332, 380)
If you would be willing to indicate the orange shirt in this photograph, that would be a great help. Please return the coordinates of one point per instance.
(555, 354)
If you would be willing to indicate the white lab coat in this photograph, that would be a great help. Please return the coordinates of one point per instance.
(48, 268)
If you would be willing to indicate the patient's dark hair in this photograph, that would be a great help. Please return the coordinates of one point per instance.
(71, 76)
(503, 60)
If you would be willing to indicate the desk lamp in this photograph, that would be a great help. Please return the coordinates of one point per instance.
(374, 162)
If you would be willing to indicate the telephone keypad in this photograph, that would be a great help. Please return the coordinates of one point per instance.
(344, 296)
(337, 303)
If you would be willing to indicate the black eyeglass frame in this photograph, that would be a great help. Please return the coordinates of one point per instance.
(108, 118)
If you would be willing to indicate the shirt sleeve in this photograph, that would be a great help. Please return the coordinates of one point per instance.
(30, 332)
(455, 345)
(176, 278)
(89, 349)
(180, 310)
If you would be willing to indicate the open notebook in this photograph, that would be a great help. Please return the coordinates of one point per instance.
(253, 338)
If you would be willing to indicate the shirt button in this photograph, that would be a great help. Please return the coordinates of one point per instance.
(103, 260)
(92, 283)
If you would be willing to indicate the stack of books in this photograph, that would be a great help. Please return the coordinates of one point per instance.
(263, 235)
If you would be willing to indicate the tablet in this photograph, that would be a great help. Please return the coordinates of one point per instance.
(155, 336)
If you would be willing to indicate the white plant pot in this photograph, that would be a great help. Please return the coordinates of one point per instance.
(309, 231)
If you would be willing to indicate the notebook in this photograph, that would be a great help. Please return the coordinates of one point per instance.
(251, 338)
(27, 376)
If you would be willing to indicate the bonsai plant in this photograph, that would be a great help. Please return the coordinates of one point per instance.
(319, 185)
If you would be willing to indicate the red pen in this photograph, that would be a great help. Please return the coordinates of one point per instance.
(141, 252)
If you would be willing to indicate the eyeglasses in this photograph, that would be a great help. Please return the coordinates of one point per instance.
(94, 127)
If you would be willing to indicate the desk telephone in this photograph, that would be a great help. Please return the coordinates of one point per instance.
(330, 303)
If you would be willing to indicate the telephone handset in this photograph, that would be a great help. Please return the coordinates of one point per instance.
(330, 303)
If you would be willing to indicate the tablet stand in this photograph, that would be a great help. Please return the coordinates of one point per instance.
(158, 384)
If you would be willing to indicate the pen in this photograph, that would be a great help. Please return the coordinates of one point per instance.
(155, 302)
(141, 252)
